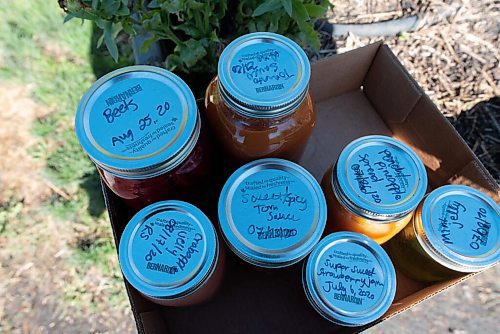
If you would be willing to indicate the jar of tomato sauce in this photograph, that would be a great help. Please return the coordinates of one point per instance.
(374, 187)
(455, 230)
(169, 252)
(141, 127)
(272, 212)
(259, 104)
(349, 279)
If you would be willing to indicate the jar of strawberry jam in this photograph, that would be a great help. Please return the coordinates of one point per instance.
(170, 253)
(455, 229)
(140, 126)
(349, 279)
(374, 187)
(259, 104)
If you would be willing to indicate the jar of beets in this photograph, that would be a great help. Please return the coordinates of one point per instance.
(141, 127)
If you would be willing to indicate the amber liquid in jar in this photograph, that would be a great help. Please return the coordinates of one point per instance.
(259, 105)
(247, 138)
(341, 219)
(453, 231)
(373, 188)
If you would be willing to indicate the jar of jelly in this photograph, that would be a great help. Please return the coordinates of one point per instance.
(272, 212)
(259, 104)
(456, 229)
(349, 279)
(169, 253)
(374, 187)
(140, 126)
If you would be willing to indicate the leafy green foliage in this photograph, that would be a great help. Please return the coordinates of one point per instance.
(199, 29)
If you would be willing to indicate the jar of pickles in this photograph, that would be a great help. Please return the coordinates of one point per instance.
(349, 279)
(140, 126)
(455, 230)
(170, 253)
(259, 104)
(374, 187)
(272, 212)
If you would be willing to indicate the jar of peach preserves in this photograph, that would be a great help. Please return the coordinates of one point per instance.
(374, 187)
(259, 104)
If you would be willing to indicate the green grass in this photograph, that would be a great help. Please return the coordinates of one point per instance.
(57, 60)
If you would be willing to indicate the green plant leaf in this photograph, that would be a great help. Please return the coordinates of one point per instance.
(190, 52)
(110, 32)
(68, 17)
(110, 7)
(267, 6)
(315, 10)
(310, 34)
(299, 11)
(95, 4)
(190, 30)
(147, 43)
(287, 4)
(123, 10)
(153, 4)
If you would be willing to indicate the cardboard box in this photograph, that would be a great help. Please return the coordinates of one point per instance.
(365, 91)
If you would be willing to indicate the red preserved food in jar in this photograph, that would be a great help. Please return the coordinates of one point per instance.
(141, 127)
(259, 104)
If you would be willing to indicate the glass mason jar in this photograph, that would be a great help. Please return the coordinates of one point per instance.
(272, 212)
(141, 127)
(169, 252)
(259, 104)
(349, 279)
(456, 229)
(374, 187)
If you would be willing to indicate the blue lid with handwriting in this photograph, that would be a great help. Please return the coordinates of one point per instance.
(138, 121)
(460, 228)
(263, 75)
(272, 212)
(168, 250)
(379, 178)
(349, 279)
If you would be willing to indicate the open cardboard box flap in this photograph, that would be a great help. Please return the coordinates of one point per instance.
(361, 92)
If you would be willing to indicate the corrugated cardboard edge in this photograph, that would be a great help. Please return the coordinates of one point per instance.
(146, 321)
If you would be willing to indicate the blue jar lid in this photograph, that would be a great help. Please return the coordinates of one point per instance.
(349, 279)
(379, 178)
(460, 228)
(168, 250)
(272, 212)
(138, 121)
(263, 75)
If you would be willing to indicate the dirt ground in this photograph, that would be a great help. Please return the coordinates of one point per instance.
(456, 60)
(34, 271)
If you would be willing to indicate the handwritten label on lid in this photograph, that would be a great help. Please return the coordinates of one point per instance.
(168, 249)
(137, 116)
(273, 209)
(464, 224)
(349, 278)
(382, 175)
(264, 70)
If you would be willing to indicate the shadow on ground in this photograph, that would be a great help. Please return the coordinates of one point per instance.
(102, 63)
